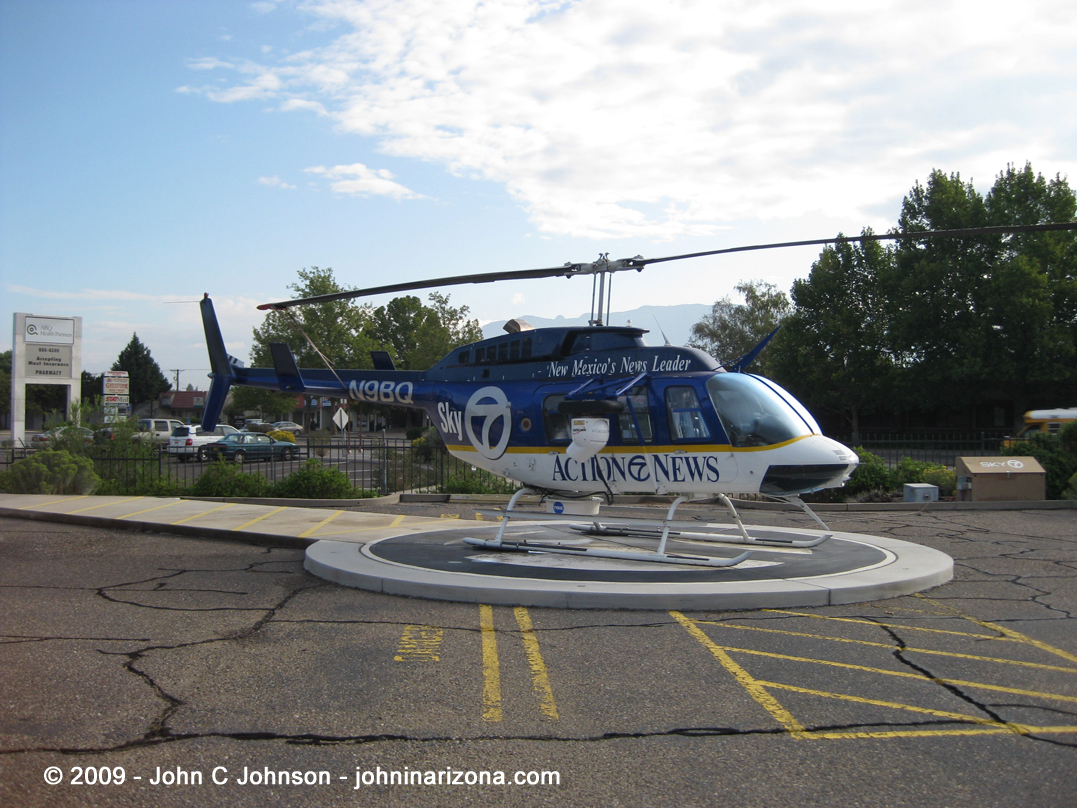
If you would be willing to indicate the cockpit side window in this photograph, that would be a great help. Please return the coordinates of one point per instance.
(752, 413)
(635, 402)
(686, 422)
(558, 425)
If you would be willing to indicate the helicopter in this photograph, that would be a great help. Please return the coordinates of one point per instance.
(573, 412)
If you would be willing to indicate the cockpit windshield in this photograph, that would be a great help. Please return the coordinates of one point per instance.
(752, 413)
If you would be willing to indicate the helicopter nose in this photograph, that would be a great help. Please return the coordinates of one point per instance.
(824, 463)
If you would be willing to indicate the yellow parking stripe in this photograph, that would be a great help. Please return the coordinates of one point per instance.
(896, 706)
(105, 505)
(147, 510)
(54, 502)
(204, 513)
(1008, 632)
(322, 523)
(258, 519)
(754, 688)
(892, 625)
(491, 668)
(903, 674)
(540, 678)
(399, 520)
(892, 647)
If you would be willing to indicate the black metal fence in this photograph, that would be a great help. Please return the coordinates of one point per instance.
(940, 448)
(382, 466)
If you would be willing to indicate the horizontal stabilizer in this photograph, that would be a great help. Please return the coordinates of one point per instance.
(287, 371)
(382, 360)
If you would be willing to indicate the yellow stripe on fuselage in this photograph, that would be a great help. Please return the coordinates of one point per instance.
(645, 449)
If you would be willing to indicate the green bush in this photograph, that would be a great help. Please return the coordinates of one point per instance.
(315, 481)
(1071, 489)
(51, 471)
(1049, 450)
(1068, 436)
(224, 479)
(478, 482)
(282, 434)
(871, 475)
(944, 478)
(415, 432)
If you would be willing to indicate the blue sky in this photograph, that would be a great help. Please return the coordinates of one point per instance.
(151, 151)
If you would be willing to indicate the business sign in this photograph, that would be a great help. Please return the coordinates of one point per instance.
(116, 383)
(113, 400)
(46, 361)
(50, 330)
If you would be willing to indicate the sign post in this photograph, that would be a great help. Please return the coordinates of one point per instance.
(45, 350)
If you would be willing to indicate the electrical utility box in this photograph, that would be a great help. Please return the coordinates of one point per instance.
(1000, 479)
(921, 492)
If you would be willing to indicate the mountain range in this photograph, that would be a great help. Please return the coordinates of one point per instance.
(675, 321)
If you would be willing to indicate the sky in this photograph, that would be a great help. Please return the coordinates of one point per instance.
(152, 151)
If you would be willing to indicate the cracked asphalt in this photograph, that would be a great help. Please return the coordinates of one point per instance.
(177, 660)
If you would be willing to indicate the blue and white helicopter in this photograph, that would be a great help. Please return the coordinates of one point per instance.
(579, 411)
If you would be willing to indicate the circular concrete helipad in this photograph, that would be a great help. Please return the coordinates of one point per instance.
(437, 564)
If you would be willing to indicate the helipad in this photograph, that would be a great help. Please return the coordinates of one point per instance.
(437, 564)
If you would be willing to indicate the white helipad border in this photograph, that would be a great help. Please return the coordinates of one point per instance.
(910, 568)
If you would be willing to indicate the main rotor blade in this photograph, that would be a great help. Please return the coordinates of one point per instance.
(915, 235)
(638, 263)
(568, 270)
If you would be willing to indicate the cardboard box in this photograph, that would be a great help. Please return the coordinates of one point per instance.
(1000, 479)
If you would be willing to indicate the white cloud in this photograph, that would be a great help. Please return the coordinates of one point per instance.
(358, 180)
(609, 118)
(276, 182)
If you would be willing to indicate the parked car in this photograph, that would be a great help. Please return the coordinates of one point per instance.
(157, 430)
(288, 426)
(243, 446)
(46, 439)
(191, 441)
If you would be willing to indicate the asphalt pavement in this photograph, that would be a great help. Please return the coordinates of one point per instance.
(150, 668)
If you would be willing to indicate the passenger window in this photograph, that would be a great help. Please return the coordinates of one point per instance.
(463, 357)
(635, 402)
(525, 351)
(685, 416)
(514, 350)
(503, 352)
(558, 425)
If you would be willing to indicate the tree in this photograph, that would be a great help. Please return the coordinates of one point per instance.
(976, 318)
(418, 336)
(264, 402)
(832, 351)
(338, 328)
(147, 381)
(731, 329)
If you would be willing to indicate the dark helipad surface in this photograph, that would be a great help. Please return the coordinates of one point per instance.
(437, 564)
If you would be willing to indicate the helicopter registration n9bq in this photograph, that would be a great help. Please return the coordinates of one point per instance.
(572, 412)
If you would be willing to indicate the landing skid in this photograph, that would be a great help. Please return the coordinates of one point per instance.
(644, 528)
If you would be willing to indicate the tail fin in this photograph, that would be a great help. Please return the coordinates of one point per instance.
(222, 366)
(739, 365)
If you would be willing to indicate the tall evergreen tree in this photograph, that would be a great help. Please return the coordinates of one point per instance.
(147, 380)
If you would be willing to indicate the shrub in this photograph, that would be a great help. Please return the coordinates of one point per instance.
(224, 479)
(1059, 464)
(1071, 489)
(944, 478)
(415, 432)
(1068, 437)
(478, 482)
(282, 434)
(50, 472)
(315, 481)
(871, 475)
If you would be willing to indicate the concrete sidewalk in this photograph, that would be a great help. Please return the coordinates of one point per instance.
(272, 524)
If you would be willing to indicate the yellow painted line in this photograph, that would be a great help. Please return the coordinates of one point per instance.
(754, 688)
(1026, 729)
(895, 706)
(258, 519)
(892, 647)
(204, 513)
(105, 505)
(321, 524)
(395, 523)
(902, 626)
(903, 674)
(54, 502)
(147, 510)
(1008, 632)
(540, 678)
(419, 644)
(491, 668)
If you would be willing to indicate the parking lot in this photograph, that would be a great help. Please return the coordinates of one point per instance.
(221, 673)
